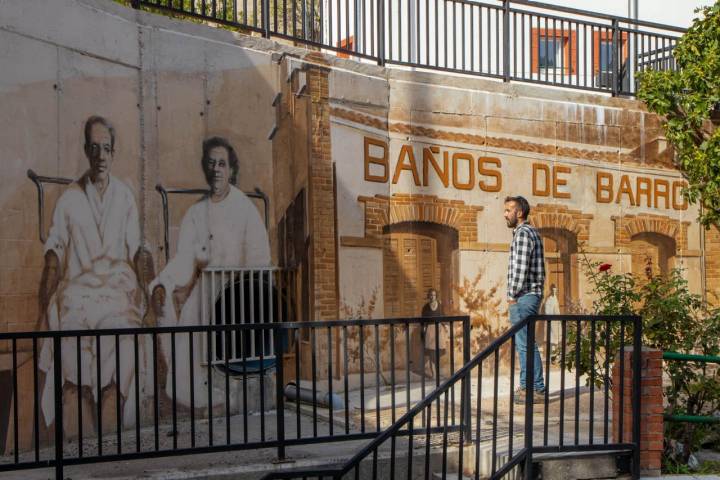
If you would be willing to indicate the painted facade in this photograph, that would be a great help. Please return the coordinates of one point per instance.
(381, 184)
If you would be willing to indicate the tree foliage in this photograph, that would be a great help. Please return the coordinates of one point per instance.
(686, 98)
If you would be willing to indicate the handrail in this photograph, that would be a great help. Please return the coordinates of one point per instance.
(690, 357)
(454, 44)
(339, 472)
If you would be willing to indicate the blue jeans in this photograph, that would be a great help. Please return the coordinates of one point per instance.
(527, 305)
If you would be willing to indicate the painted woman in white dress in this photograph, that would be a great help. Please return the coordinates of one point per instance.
(223, 229)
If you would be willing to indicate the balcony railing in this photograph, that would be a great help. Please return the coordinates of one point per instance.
(515, 40)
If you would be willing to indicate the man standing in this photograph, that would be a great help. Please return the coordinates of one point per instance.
(223, 229)
(93, 266)
(525, 280)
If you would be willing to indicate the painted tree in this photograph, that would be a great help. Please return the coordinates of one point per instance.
(687, 99)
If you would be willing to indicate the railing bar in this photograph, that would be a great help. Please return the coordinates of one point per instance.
(347, 25)
(232, 334)
(243, 342)
(330, 22)
(437, 366)
(478, 420)
(392, 451)
(437, 35)
(346, 380)
(591, 426)
(497, 41)
(606, 383)
(191, 348)
(378, 366)
(522, 42)
(16, 440)
(361, 354)
(226, 345)
(314, 381)
(118, 416)
(330, 379)
(514, 34)
(156, 400)
(78, 361)
(445, 34)
(452, 368)
(428, 427)
(407, 367)
(480, 36)
(445, 436)
(578, 327)
(511, 407)
(423, 333)
(251, 278)
(495, 410)
(298, 423)
(461, 444)
(392, 371)
(546, 400)
(261, 359)
(472, 38)
(622, 381)
(98, 374)
(563, 329)
(36, 402)
(209, 368)
(411, 431)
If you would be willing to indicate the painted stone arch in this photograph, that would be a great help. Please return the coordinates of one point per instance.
(654, 241)
(563, 232)
(420, 237)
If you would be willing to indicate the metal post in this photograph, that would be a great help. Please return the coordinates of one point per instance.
(636, 394)
(381, 31)
(266, 18)
(506, 41)
(57, 377)
(529, 387)
(466, 359)
(279, 391)
(615, 73)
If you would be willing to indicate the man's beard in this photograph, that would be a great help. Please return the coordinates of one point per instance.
(512, 223)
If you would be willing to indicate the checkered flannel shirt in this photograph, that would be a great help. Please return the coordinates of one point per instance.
(526, 271)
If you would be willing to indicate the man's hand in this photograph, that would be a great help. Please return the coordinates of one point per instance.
(512, 301)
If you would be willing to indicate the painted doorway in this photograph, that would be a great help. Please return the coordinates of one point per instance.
(654, 251)
(561, 266)
(418, 256)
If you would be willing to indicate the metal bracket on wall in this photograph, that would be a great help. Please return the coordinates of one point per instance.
(39, 180)
(257, 193)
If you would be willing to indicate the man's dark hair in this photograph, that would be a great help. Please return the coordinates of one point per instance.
(213, 142)
(105, 123)
(521, 203)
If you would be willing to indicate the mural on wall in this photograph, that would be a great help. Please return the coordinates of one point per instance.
(91, 279)
(223, 229)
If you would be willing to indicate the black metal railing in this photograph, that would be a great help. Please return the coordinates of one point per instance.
(419, 445)
(513, 40)
(227, 385)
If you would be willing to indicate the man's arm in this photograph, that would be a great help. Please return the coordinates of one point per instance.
(48, 285)
(523, 246)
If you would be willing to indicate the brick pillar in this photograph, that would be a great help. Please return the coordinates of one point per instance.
(712, 264)
(651, 407)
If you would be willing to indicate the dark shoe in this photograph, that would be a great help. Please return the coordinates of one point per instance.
(520, 394)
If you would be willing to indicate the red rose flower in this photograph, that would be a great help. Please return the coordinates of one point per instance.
(605, 267)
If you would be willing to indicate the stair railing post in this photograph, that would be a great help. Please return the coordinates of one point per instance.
(266, 18)
(466, 359)
(58, 387)
(529, 387)
(279, 391)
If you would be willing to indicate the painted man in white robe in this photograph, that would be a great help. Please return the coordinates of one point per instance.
(223, 229)
(90, 281)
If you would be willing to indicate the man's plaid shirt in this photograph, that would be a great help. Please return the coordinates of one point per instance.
(526, 271)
